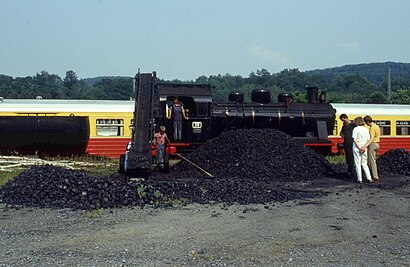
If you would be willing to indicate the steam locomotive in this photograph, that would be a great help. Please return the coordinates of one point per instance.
(309, 122)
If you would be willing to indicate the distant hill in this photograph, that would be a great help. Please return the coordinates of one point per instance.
(376, 73)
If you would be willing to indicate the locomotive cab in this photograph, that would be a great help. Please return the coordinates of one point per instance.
(197, 101)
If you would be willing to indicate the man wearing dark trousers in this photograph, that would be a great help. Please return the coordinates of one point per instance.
(346, 134)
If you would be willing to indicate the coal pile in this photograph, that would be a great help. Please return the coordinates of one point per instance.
(48, 186)
(229, 191)
(249, 166)
(54, 187)
(257, 155)
(395, 161)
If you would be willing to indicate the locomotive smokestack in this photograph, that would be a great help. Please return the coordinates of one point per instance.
(236, 97)
(261, 96)
(312, 94)
(322, 97)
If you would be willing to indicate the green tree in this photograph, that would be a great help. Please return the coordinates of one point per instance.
(376, 98)
(401, 96)
(6, 85)
(299, 97)
(70, 79)
(119, 88)
(46, 85)
(73, 87)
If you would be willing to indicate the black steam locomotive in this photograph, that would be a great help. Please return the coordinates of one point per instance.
(309, 122)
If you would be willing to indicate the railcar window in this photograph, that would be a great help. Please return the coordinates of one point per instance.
(385, 127)
(110, 127)
(403, 127)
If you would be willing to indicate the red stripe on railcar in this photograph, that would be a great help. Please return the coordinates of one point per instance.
(318, 144)
(386, 143)
(108, 147)
(393, 142)
(114, 147)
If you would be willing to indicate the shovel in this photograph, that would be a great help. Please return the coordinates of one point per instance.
(182, 157)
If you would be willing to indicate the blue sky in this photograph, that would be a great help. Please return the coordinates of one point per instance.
(183, 39)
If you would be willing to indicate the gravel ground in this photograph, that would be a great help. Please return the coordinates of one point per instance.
(345, 224)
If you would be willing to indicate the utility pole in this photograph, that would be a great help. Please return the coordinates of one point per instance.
(388, 84)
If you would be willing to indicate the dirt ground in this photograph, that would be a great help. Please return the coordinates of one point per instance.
(347, 225)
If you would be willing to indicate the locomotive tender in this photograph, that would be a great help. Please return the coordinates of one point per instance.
(309, 122)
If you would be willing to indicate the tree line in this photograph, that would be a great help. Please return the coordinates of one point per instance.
(340, 88)
(52, 86)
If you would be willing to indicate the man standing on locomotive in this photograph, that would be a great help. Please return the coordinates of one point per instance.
(346, 134)
(177, 113)
(373, 146)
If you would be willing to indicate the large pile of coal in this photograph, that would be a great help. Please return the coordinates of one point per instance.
(49, 186)
(249, 166)
(54, 187)
(254, 154)
(395, 161)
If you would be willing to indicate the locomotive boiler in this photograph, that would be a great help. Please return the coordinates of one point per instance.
(309, 122)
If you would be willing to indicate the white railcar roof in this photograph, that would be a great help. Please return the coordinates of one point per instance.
(65, 105)
(61, 105)
(372, 109)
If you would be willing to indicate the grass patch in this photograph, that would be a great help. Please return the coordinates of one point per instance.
(103, 169)
(336, 159)
(174, 202)
(92, 214)
(6, 176)
(95, 166)
(98, 166)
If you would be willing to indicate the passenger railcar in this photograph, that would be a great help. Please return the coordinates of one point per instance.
(109, 121)
(393, 120)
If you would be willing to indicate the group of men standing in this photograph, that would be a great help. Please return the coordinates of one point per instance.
(361, 145)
